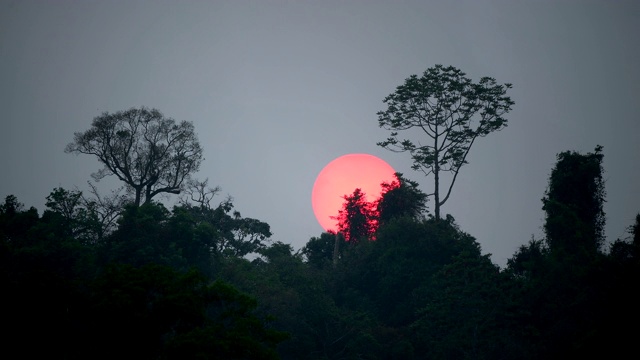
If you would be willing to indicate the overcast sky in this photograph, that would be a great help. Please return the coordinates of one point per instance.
(278, 89)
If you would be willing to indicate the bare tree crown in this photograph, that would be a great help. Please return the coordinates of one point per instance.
(150, 153)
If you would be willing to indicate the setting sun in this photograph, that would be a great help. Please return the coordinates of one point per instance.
(341, 177)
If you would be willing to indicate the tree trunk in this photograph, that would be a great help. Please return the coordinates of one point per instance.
(147, 197)
(336, 249)
(436, 193)
(436, 173)
(138, 196)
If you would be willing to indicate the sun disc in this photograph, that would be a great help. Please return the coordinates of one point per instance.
(341, 177)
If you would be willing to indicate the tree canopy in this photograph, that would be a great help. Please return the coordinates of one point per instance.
(574, 202)
(357, 219)
(103, 277)
(200, 281)
(401, 197)
(452, 111)
(149, 152)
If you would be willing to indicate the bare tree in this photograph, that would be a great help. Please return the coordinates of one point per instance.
(107, 208)
(151, 154)
(88, 219)
(200, 193)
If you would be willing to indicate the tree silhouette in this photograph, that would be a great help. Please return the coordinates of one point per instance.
(357, 219)
(401, 197)
(150, 153)
(574, 203)
(452, 111)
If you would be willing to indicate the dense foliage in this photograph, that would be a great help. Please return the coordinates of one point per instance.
(199, 281)
(177, 284)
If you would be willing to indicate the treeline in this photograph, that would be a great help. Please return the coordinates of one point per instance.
(201, 281)
(123, 276)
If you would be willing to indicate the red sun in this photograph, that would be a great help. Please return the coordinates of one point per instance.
(341, 177)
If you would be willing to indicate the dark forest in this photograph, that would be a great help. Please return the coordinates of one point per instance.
(177, 283)
(124, 275)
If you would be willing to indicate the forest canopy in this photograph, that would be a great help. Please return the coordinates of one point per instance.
(104, 276)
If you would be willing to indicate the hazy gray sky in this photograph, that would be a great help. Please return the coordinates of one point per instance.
(278, 89)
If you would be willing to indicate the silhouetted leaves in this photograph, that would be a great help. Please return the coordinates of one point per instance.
(452, 111)
(105, 278)
(401, 197)
(357, 220)
(574, 203)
